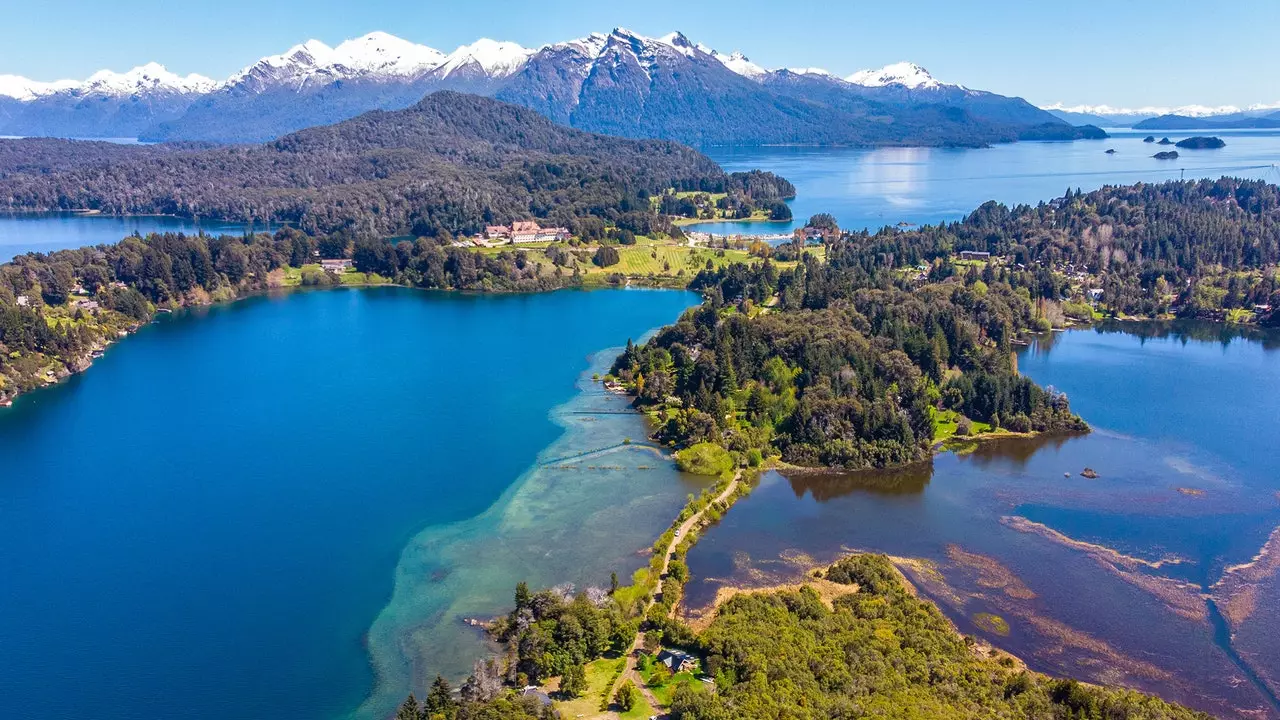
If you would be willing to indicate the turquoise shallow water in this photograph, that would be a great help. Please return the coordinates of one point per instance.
(1187, 407)
(207, 523)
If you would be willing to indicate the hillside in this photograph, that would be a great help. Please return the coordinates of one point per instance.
(452, 162)
(1183, 122)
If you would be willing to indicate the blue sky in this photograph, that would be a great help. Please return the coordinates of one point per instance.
(1123, 52)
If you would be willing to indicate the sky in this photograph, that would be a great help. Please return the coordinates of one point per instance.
(1125, 53)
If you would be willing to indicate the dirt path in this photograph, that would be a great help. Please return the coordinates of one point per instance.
(683, 531)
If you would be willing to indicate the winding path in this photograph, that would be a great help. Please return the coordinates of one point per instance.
(682, 531)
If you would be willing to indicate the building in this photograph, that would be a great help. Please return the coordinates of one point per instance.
(678, 660)
(336, 265)
(525, 231)
(974, 255)
(24, 301)
(89, 305)
(533, 692)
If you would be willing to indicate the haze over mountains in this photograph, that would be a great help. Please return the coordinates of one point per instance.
(1186, 117)
(619, 83)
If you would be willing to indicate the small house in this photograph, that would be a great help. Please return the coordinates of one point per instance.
(336, 265)
(532, 691)
(24, 301)
(1095, 294)
(974, 255)
(677, 661)
(494, 232)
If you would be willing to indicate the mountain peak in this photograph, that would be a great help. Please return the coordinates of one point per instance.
(384, 53)
(151, 77)
(496, 58)
(905, 74)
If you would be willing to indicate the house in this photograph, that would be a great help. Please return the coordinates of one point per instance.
(974, 255)
(815, 234)
(89, 305)
(533, 691)
(24, 301)
(1095, 293)
(677, 660)
(336, 265)
(495, 232)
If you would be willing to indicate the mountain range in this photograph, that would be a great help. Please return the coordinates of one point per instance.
(619, 83)
(1186, 117)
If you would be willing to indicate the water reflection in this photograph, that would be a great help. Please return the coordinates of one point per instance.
(1104, 579)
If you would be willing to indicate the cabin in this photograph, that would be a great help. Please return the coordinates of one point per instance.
(677, 660)
(532, 691)
(24, 301)
(974, 255)
(336, 265)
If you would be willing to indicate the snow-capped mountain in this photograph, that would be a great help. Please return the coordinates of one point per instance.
(619, 82)
(1186, 115)
(904, 74)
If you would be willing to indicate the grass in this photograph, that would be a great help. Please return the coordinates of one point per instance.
(667, 689)
(599, 673)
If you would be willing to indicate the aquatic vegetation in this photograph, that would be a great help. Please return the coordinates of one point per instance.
(993, 624)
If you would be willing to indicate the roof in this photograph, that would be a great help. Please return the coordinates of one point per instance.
(533, 691)
(524, 226)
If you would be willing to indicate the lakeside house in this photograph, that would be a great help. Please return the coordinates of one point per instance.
(532, 691)
(678, 661)
(974, 255)
(336, 265)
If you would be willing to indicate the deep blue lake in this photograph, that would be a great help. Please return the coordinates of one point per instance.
(874, 188)
(1102, 579)
(226, 516)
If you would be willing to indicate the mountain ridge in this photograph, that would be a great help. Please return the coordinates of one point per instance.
(667, 87)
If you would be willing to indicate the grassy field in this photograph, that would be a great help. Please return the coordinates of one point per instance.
(599, 673)
(664, 691)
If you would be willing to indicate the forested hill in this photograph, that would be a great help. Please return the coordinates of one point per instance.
(451, 162)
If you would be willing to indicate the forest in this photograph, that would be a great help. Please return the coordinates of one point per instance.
(1196, 248)
(876, 652)
(450, 163)
(57, 309)
(849, 369)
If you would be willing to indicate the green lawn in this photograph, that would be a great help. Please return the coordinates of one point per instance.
(667, 689)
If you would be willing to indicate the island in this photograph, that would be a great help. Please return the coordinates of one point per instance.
(1166, 155)
(1149, 139)
(1165, 141)
(1201, 143)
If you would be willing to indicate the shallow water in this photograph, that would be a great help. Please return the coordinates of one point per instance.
(1102, 579)
(207, 523)
(873, 188)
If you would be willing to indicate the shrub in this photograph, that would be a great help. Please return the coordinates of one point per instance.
(704, 458)
(606, 256)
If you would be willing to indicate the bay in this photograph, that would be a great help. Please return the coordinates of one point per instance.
(209, 521)
(1116, 579)
(870, 189)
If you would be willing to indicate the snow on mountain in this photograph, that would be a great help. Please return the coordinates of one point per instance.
(905, 74)
(811, 71)
(385, 54)
(151, 78)
(590, 46)
(496, 58)
(20, 88)
(738, 63)
(1152, 111)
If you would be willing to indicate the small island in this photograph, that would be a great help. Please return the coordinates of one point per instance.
(1166, 155)
(1111, 151)
(1165, 141)
(1149, 138)
(1201, 143)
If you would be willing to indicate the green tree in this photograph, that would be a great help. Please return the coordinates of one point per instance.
(626, 696)
(606, 256)
(574, 681)
(409, 709)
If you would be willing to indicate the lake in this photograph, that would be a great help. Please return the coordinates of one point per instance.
(873, 188)
(1102, 579)
(285, 506)
(47, 232)
(862, 188)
